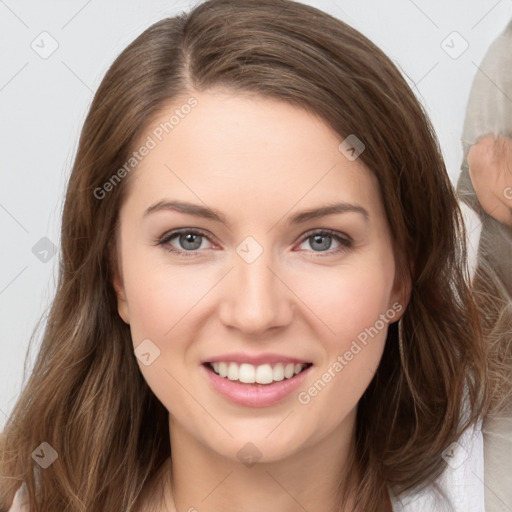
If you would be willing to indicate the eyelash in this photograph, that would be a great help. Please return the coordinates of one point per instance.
(345, 242)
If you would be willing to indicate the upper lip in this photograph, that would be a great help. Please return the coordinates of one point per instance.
(269, 358)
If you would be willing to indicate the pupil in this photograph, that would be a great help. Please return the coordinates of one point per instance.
(189, 238)
(318, 238)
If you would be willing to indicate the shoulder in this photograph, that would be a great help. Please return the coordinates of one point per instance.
(461, 485)
(20, 502)
(489, 108)
(499, 53)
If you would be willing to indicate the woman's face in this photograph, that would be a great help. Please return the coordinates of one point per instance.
(253, 280)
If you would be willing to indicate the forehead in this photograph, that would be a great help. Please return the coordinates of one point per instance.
(248, 151)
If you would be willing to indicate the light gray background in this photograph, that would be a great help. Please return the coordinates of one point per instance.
(44, 102)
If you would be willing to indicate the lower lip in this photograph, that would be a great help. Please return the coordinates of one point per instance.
(255, 395)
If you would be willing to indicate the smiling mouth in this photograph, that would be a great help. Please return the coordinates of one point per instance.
(265, 374)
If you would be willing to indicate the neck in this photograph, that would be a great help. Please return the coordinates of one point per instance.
(199, 479)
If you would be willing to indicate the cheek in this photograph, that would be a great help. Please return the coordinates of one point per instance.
(346, 300)
(161, 306)
(162, 296)
(355, 305)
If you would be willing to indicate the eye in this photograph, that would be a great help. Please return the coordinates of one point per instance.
(322, 240)
(188, 240)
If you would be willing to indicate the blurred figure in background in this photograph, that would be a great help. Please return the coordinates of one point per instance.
(485, 184)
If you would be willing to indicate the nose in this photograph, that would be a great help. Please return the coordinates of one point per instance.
(256, 298)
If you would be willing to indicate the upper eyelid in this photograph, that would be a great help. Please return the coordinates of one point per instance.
(173, 233)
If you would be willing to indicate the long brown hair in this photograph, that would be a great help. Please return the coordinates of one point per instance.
(86, 396)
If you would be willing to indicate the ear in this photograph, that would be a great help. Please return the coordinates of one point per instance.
(122, 302)
(400, 294)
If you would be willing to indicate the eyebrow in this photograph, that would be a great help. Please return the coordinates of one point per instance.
(216, 215)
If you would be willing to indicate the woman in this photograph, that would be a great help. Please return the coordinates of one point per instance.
(209, 347)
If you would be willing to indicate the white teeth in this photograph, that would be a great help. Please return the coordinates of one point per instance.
(278, 372)
(262, 374)
(289, 370)
(247, 373)
(223, 369)
(233, 371)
